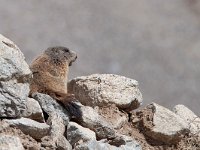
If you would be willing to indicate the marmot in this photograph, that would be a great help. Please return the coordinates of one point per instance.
(50, 73)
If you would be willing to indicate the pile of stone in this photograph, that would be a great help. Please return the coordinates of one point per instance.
(104, 117)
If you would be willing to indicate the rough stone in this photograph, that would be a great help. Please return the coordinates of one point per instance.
(75, 133)
(106, 89)
(99, 145)
(34, 110)
(187, 115)
(89, 118)
(111, 113)
(27, 126)
(12, 62)
(50, 106)
(163, 125)
(8, 142)
(13, 98)
(57, 132)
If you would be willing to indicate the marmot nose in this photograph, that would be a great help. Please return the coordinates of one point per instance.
(76, 57)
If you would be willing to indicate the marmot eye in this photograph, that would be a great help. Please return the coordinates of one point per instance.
(66, 50)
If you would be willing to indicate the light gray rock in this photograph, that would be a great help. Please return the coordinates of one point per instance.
(9, 142)
(75, 133)
(106, 89)
(89, 118)
(35, 129)
(14, 77)
(57, 132)
(187, 115)
(48, 143)
(12, 62)
(164, 126)
(13, 98)
(99, 145)
(34, 111)
(50, 106)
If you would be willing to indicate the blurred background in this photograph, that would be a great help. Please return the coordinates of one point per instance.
(155, 42)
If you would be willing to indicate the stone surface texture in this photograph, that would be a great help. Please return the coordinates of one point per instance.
(91, 119)
(14, 77)
(106, 89)
(12, 61)
(76, 133)
(33, 110)
(49, 106)
(166, 125)
(99, 145)
(8, 142)
(13, 98)
(187, 115)
(34, 129)
(57, 132)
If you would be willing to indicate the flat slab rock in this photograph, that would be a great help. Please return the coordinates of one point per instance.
(27, 126)
(163, 125)
(106, 89)
(12, 61)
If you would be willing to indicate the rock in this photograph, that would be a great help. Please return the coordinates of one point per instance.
(13, 98)
(12, 62)
(63, 144)
(163, 125)
(57, 132)
(14, 77)
(34, 110)
(27, 126)
(111, 113)
(89, 118)
(99, 145)
(121, 140)
(106, 89)
(50, 106)
(28, 142)
(8, 142)
(48, 143)
(187, 115)
(75, 133)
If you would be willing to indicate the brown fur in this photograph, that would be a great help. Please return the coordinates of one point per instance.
(50, 73)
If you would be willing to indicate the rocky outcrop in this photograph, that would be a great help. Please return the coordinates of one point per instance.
(103, 117)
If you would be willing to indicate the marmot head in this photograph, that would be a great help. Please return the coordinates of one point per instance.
(60, 55)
